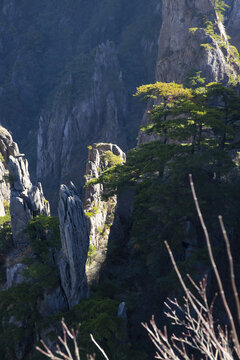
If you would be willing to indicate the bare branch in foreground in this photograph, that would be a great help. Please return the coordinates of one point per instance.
(66, 354)
(230, 259)
(214, 266)
(199, 332)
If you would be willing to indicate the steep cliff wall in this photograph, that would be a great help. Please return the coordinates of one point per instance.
(43, 47)
(74, 230)
(181, 50)
(233, 22)
(186, 45)
(26, 200)
(72, 125)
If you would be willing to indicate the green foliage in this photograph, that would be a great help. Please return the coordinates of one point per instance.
(113, 159)
(93, 211)
(197, 129)
(98, 316)
(5, 237)
(44, 235)
(91, 253)
(193, 79)
(231, 54)
(19, 302)
(193, 30)
(2, 157)
(74, 81)
(7, 217)
(220, 7)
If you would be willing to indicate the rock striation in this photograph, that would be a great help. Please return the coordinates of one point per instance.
(76, 122)
(26, 200)
(41, 48)
(100, 213)
(7, 148)
(181, 50)
(186, 46)
(74, 230)
(233, 22)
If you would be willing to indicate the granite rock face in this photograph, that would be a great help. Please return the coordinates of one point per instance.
(180, 45)
(233, 22)
(74, 230)
(26, 199)
(181, 50)
(53, 302)
(14, 275)
(7, 148)
(43, 40)
(100, 213)
(66, 131)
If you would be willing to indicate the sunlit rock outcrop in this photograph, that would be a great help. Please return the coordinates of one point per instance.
(101, 156)
(26, 199)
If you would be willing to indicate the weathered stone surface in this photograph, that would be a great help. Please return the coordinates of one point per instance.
(26, 200)
(122, 310)
(15, 275)
(74, 230)
(53, 302)
(7, 147)
(18, 169)
(100, 212)
(4, 188)
(233, 22)
(180, 49)
(66, 131)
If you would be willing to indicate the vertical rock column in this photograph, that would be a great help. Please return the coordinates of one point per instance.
(74, 230)
(100, 213)
(26, 200)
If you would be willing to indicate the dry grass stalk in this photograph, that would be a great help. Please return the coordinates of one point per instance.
(199, 330)
(65, 352)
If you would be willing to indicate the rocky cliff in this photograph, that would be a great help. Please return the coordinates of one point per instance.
(233, 22)
(100, 213)
(192, 39)
(26, 200)
(57, 59)
(101, 156)
(74, 231)
(182, 36)
(72, 125)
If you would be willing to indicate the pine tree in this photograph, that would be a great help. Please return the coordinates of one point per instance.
(198, 133)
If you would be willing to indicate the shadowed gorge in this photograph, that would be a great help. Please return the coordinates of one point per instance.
(113, 104)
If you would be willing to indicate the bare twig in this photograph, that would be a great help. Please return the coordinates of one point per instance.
(99, 347)
(67, 355)
(199, 332)
(219, 281)
(234, 287)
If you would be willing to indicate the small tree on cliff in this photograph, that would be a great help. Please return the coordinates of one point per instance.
(197, 132)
